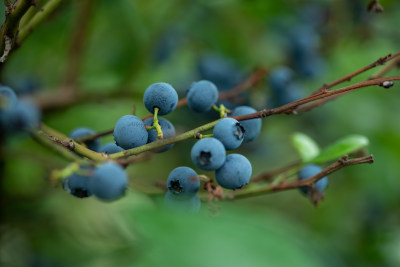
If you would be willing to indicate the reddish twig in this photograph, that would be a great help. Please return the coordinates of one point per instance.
(309, 182)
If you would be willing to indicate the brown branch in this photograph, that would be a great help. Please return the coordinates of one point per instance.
(267, 176)
(309, 182)
(375, 6)
(78, 44)
(292, 108)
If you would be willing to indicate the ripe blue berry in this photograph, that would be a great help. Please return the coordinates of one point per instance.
(311, 170)
(235, 173)
(8, 98)
(230, 132)
(202, 95)
(166, 127)
(208, 154)
(130, 132)
(109, 181)
(252, 127)
(186, 205)
(161, 95)
(77, 185)
(183, 182)
(110, 148)
(82, 132)
(25, 116)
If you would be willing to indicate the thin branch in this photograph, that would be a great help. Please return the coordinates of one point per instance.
(77, 45)
(9, 30)
(309, 182)
(267, 176)
(39, 17)
(388, 67)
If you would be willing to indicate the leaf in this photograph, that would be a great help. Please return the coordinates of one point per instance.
(342, 147)
(305, 146)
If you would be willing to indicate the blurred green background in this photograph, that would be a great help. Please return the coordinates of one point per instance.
(129, 45)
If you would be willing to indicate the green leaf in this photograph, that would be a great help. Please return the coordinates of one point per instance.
(305, 146)
(342, 147)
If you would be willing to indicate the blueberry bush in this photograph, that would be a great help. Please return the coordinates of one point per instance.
(153, 133)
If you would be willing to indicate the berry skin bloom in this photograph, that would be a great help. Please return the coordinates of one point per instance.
(252, 127)
(110, 148)
(230, 132)
(130, 132)
(235, 173)
(162, 96)
(183, 182)
(208, 154)
(202, 95)
(109, 181)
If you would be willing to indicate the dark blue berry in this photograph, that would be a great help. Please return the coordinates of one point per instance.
(208, 154)
(202, 95)
(78, 184)
(310, 170)
(82, 132)
(283, 88)
(110, 148)
(25, 116)
(161, 95)
(109, 181)
(8, 98)
(235, 173)
(130, 132)
(252, 128)
(183, 182)
(230, 132)
(186, 205)
(280, 78)
(166, 127)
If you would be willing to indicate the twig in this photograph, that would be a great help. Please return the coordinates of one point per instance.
(9, 29)
(375, 6)
(267, 176)
(309, 182)
(38, 18)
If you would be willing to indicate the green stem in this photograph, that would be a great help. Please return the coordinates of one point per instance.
(157, 125)
(161, 143)
(37, 19)
(77, 148)
(222, 110)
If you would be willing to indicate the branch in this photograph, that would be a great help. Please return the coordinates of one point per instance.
(267, 176)
(309, 182)
(39, 17)
(9, 30)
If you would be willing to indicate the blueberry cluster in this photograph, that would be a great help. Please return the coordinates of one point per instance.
(15, 115)
(107, 182)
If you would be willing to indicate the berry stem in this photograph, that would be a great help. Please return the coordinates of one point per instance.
(222, 110)
(157, 125)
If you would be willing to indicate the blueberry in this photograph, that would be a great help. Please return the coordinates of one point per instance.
(166, 127)
(130, 132)
(230, 132)
(235, 173)
(202, 95)
(110, 148)
(25, 116)
(77, 184)
(251, 127)
(279, 78)
(311, 170)
(109, 181)
(82, 132)
(8, 98)
(208, 154)
(161, 95)
(183, 182)
(187, 205)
